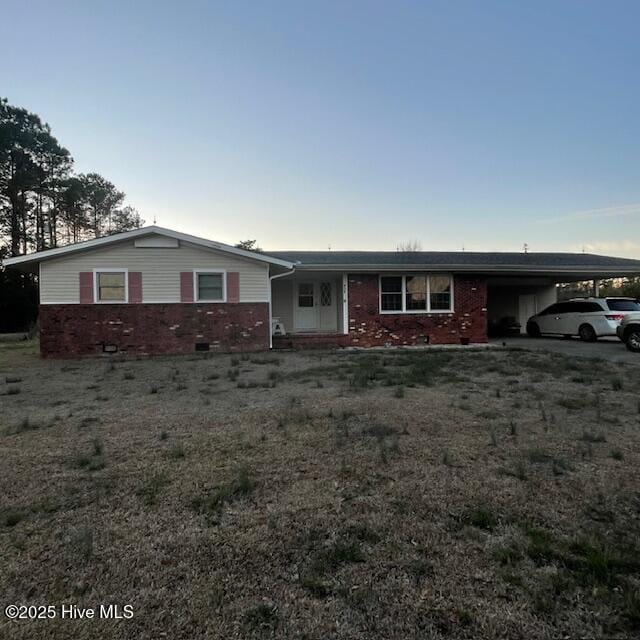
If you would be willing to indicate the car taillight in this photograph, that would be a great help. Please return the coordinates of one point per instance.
(616, 317)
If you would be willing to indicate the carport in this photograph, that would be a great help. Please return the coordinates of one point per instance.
(525, 287)
(517, 298)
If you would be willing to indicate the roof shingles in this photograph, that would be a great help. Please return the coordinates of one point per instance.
(458, 259)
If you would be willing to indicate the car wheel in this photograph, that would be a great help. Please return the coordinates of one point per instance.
(632, 340)
(587, 333)
(533, 330)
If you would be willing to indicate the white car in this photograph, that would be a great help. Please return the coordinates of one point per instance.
(589, 318)
(629, 331)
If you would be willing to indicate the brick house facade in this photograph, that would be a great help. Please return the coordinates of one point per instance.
(145, 329)
(369, 328)
(158, 291)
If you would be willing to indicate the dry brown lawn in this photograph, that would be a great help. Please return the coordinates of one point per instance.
(438, 494)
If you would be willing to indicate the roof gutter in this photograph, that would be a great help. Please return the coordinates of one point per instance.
(354, 268)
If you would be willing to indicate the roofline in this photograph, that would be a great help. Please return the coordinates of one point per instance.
(476, 268)
(48, 254)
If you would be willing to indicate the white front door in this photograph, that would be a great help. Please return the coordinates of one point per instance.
(305, 306)
(315, 306)
(527, 308)
(328, 315)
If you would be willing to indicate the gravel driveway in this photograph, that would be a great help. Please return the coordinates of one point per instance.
(610, 349)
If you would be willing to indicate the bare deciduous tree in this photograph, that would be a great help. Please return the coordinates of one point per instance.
(409, 246)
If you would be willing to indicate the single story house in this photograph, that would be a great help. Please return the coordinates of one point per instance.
(153, 290)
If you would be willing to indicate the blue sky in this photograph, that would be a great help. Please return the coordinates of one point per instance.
(350, 125)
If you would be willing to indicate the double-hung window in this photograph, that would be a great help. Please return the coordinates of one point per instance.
(110, 285)
(416, 293)
(210, 286)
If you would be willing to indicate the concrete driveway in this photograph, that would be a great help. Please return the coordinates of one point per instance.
(610, 349)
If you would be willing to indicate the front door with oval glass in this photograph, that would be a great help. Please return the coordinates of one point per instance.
(315, 306)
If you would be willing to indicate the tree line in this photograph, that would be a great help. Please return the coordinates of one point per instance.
(45, 204)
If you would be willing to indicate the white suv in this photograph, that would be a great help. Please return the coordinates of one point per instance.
(589, 318)
(629, 331)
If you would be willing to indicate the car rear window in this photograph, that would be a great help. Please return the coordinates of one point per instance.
(623, 305)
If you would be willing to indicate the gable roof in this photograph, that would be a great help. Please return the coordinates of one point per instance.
(460, 261)
(87, 245)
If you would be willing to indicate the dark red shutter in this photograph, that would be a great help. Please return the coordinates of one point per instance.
(186, 286)
(135, 287)
(86, 287)
(233, 286)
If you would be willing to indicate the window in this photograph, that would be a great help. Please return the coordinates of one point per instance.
(554, 308)
(416, 293)
(111, 286)
(589, 307)
(623, 305)
(440, 293)
(391, 293)
(325, 294)
(210, 286)
(305, 294)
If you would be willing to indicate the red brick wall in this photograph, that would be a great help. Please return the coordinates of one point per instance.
(71, 330)
(368, 327)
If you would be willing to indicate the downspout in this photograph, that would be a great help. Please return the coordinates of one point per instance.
(271, 279)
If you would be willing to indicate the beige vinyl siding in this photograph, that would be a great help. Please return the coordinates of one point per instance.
(282, 303)
(160, 269)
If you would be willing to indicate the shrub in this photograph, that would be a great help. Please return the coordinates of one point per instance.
(481, 518)
(339, 553)
(11, 517)
(590, 436)
(13, 379)
(92, 461)
(379, 431)
(13, 391)
(177, 451)
(266, 360)
(518, 471)
(617, 384)
(211, 504)
(419, 569)
(315, 586)
(507, 555)
(82, 543)
(616, 454)
(262, 616)
(152, 487)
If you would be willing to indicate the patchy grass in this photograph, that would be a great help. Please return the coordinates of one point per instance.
(152, 487)
(211, 503)
(327, 493)
(92, 460)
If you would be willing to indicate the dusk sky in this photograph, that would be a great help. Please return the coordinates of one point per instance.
(350, 125)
